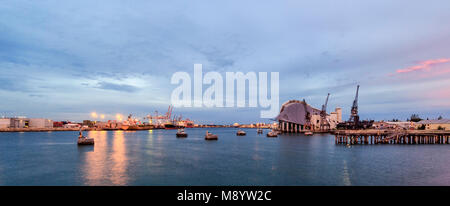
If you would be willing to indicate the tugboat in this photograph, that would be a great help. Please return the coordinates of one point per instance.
(181, 133)
(82, 140)
(210, 136)
(241, 133)
(272, 133)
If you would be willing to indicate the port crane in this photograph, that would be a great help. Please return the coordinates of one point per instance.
(158, 119)
(324, 124)
(354, 117)
(354, 122)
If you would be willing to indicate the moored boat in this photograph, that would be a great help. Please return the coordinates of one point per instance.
(82, 140)
(272, 134)
(259, 131)
(308, 133)
(210, 136)
(85, 141)
(181, 133)
(240, 133)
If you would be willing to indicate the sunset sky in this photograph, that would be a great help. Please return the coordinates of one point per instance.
(63, 60)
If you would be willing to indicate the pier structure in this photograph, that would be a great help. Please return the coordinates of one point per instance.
(353, 137)
(290, 127)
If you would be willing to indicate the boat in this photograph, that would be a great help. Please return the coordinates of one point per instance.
(210, 136)
(140, 127)
(259, 131)
(125, 125)
(181, 133)
(86, 141)
(82, 140)
(272, 134)
(308, 133)
(240, 133)
(169, 125)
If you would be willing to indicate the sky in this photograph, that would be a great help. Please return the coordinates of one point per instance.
(63, 60)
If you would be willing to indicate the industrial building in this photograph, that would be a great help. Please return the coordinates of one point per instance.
(298, 116)
(393, 125)
(435, 124)
(5, 123)
(22, 122)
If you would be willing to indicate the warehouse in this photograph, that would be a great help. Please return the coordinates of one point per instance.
(22, 122)
(435, 124)
(41, 123)
(5, 123)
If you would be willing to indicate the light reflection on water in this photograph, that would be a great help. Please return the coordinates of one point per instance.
(94, 167)
(108, 162)
(119, 167)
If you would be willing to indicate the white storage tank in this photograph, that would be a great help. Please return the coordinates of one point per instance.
(41, 123)
(5, 123)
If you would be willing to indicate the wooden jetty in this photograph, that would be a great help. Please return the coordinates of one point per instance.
(353, 137)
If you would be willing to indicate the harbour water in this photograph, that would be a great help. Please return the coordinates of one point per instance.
(157, 157)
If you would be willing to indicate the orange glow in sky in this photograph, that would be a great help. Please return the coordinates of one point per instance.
(424, 65)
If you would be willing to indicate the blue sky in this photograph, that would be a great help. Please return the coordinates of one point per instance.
(64, 60)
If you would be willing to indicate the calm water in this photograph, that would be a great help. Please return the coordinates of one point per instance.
(159, 158)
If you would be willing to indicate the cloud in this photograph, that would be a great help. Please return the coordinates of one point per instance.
(117, 87)
(49, 48)
(13, 85)
(424, 65)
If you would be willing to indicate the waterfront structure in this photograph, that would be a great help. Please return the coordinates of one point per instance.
(72, 125)
(298, 116)
(393, 125)
(397, 136)
(435, 124)
(5, 123)
(40, 123)
(22, 122)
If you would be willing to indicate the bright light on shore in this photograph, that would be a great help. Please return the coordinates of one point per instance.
(102, 116)
(119, 117)
(94, 115)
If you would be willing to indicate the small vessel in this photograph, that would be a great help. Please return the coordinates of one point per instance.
(259, 131)
(82, 140)
(210, 136)
(181, 133)
(241, 133)
(272, 134)
(308, 133)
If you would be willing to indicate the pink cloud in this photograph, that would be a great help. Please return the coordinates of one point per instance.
(424, 65)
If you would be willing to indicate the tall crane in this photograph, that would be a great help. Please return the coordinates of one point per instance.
(169, 112)
(324, 124)
(354, 117)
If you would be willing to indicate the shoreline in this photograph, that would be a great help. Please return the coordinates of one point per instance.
(92, 129)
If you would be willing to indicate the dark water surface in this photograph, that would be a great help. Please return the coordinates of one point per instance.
(158, 158)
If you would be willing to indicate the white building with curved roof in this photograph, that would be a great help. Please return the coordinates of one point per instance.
(293, 117)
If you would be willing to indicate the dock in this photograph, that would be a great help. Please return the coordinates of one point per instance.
(354, 137)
